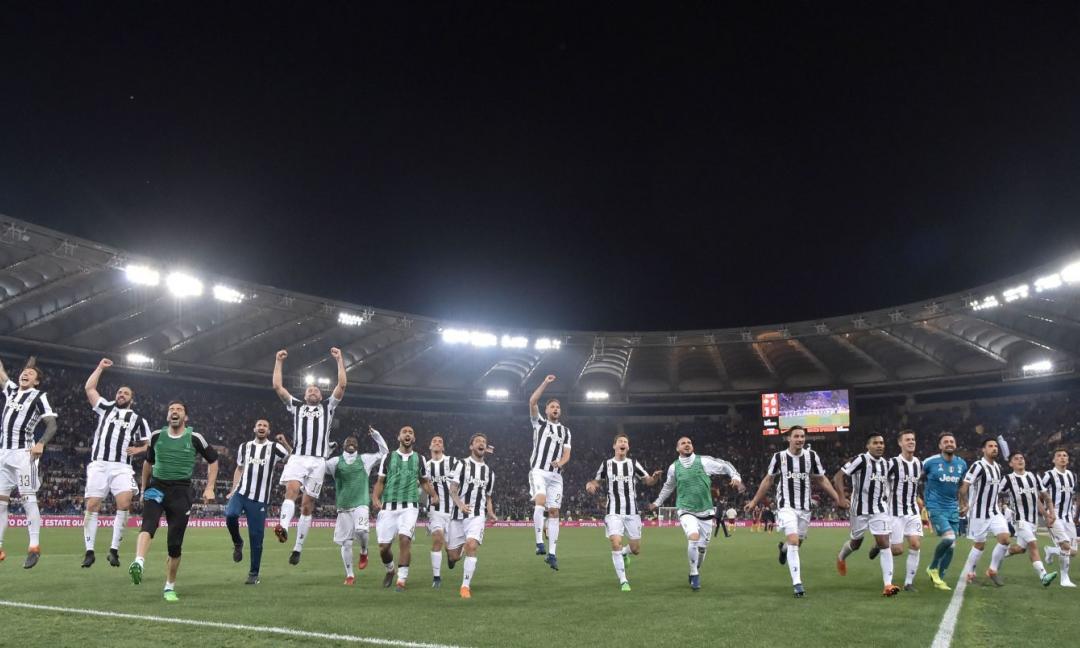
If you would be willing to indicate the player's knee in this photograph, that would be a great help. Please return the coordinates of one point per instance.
(897, 549)
(694, 537)
(93, 505)
(553, 513)
(174, 550)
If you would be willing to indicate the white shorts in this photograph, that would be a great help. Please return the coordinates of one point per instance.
(691, 524)
(1025, 533)
(104, 477)
(793, 521)
(904, 526)
(391, 524)
(623, 525)
(469, 528)
(349, 523)
(17, 470)
(309, 471)
(548, 484)
(978, 528)
(1063, 531)
(878, 523)
(438, 522)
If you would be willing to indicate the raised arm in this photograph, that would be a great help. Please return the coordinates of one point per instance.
(279, 388)
(379, 441)
(3, 374)
(534, 400)
(284, 443)
(838, 481)
(666, 490)
(92, 394)
(342, 379)
(714, 466)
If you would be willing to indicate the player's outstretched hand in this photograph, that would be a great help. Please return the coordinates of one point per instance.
(335, 352)
(36, 451)
(105, 363)
(280, 439)
(650, 506)
(281, 355)
(749, 506)
(843, 503)
(548, 379)
(466, 509)
(591, 487)
(434, 501)
(375, 505)
(208, 495)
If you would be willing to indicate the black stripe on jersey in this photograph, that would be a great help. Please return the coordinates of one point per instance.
(986, 479)
(904, 484)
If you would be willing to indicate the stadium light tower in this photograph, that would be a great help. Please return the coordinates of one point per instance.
(309, 379)
(183, 285)
(142, 275)
(597, 396)
(324, 382)
(547, 344)
(1040, 367)
(350, 319)
(139, 359)
(226, 294)
(514, 342)
(1049, 282)
(1071, 272)
(498, 394)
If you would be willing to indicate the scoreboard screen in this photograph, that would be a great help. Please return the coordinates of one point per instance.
(817, 411)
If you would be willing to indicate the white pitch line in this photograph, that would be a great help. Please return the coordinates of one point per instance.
(944, 635)
(290, 632)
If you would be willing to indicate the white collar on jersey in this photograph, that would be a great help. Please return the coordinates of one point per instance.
(349, 457)
(687, 461)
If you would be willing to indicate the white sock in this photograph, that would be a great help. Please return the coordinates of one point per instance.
(620, 568)
(793, 564)
(703, 546)
(3, 520)
(389, 566)
(972, 560)
(626, 550)
(403, 573)
(436, 563)
(33, 517)
(141, 561)
(1039, 569)
(885, 557)
(538, 523)
(1065, 560)
(119, 525)
(363, 536)
(470, 569)
(692, 556)
(912, 566)
(553, 534)
(998, 555)
(288, 508)
(169, 586)
(302, 528)
(90, 529)
(347, 558)
(1053, 551)
(846, 550)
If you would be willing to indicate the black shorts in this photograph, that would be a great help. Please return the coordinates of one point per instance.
(175, 504)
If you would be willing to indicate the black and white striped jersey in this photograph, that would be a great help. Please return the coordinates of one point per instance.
(311, 426)
(441, 473)
(257, 460)
(1062, 489)
(793, 474)
(985, 481)
(1024, 491)
(23, 410)
(117, 429)
(620, 475)
(549, 439)
(476, 483)
(869, 484)
(904, 479)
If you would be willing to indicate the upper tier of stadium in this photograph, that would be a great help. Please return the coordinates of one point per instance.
(74, 299)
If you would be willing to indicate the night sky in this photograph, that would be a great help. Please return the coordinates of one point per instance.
(526, 164)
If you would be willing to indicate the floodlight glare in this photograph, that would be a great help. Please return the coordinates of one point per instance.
(139, 359)
(309, 379)
(597, 395)
(988, 302)
(325, 382)
(498, 394)
(481, 339)
(1015, 293)
(142, 275)
(183, 285)
(514, 342)
(350, 319)
(547, 344)
(227, 294)
(1040, 367)
(1049, 282)
(1071, 272)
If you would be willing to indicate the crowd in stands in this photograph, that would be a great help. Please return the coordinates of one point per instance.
(226, 416)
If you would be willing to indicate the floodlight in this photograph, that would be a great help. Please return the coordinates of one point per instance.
(1049, 282)
(1071, 272)
(1040, 367)
(227, 294)
(498, 394)
(547, 344)
(514, 342)
(597, 395)
(350, 319)
(309, 379)
(183, 285)
(455, 336)
(325, 382)
(139, 359)
(142, 275)
(1015, 293)
(989, 301)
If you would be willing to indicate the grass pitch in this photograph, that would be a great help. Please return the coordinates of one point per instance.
(745, 598)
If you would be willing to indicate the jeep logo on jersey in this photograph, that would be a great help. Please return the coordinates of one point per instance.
(311, 412)
(258, 461)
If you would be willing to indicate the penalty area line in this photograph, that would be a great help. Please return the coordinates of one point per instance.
(288, 632)
(944, 635)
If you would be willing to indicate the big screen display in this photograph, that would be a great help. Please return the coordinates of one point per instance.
(817, 411)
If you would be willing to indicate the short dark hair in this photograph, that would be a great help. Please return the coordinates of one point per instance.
(795, 427)
(31, 363)
(177, 401)
(871, 435)
(1060, 449)
(478, 434)
(945, 434)
(908, 431)
(552, 400)
(621, 435)
(1014, 453)
(987, 440)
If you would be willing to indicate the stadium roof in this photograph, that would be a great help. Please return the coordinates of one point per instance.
(67, 297)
